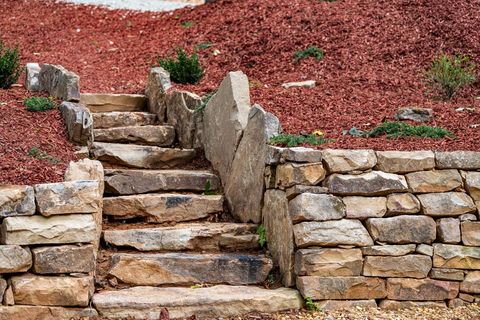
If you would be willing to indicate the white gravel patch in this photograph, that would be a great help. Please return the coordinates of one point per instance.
(139, 5)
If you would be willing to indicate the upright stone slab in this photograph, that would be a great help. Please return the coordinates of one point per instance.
(244, 186)
(316, 207)
(59, 82)
(366, 184)
(16, 201)
(157, 85)
(183, 116)
(224, 119)
(402, 229)
(343, 161)
(279, 233)
(32, 70)
(79, 122)
(14, 259)
(403, 162)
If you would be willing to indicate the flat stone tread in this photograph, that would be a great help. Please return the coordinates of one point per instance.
(115, 119)
(106, 102)
(153, 135)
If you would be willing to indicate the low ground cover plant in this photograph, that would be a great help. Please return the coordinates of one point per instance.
(395, 129)
(9, 66)
(39, 103)
(37, 153)
(311, 51)
(293, 140)
(183, 69)
(262, 238)
(448, 74)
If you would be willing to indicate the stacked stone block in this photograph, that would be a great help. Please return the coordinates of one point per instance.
(366, 228)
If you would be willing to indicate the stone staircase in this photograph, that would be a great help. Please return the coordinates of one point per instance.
(168, 241)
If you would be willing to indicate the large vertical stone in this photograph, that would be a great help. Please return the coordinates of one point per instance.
(32, 70)
(16, 201)
(59, 82)
(79, 122)
(316, 207)
(279, 233)
(402, 229)
(157, 85)
(244, 185)
(224, 119)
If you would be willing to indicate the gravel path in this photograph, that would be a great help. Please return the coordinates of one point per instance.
(140, 5)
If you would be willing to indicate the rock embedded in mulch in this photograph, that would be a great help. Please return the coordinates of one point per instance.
(414, 114)
(32, 71)
(59, 82)
(79, 122)
(300, 84)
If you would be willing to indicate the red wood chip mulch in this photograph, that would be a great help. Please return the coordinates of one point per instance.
(376, 53)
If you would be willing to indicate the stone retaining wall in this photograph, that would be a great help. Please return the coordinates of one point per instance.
(48, 244)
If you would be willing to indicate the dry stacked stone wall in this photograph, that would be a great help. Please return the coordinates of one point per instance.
(359, 227)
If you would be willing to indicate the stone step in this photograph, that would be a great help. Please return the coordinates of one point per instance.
(186, 237)
(162, 136)
(142, 157)
(163, 208)
(205, 303)
(188, 268)
(105, 102)
(126, 182)
(105, 120)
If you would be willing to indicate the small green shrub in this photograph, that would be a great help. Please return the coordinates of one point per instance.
(401, 130)
(184, 69)
(9, 66)
(311, 305)
(208, 188)
(311, 51)
(448, 74)
(39, 154)
(39, 103)
(186, 24)
(262, 238)
(292, 140)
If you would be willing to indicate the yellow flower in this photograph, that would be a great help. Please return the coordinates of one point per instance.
(318, 133)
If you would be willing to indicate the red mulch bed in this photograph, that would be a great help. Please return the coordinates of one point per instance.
(376, 52)
(21, 130)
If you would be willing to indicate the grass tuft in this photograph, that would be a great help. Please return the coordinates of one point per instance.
(39, 103)
(39, 154)
(262, 238)
(292, 140)
(401, 130)
(311, 51)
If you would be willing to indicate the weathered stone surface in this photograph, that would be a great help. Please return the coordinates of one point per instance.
(193, 236)
(402, 229)
(455, 303)
(107, 102)
(298, 189)
(8, 299)
(163, 207)
(75, 228)
(472, 184)
(446, 204)
(466, 297)
(3, 288)
(78, 121)
(86, 169)
(456, 257)
(269, 177)
(104, 120)
(125, 182)
(395, 305)
(323, 288)
(316, 207)
(279, 233)
(471, 233)
(409, 266)
(227, 112)
(64, 259)
(367, 184)
(290, 174)
(16, 201)
(389, 250)
(434, 181)
(465, 160)
(415, 114)
(142, 157)
(82, 152)
(80, 196)
(424, 249)
(468, 216)
(471, 284)
(157, 85)
(59, 82)
(402, 203)
(245, 184)
(300, 84)
(274, 155)
(365, 207)
(332, 305)
(204, 303)
(187, 268)
(328, 262)
(45, 313)
(403, 162)
(331, 233)
(446, 274)
(32, 71)
(448, 230)
(342, 161)
(144, 135)
(14, 258)
(301, 154)
(421, 289)
(181, 114)
(52, 291)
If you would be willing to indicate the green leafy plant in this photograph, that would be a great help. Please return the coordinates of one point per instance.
(292, 140)
(186, 24)
(397, 129)
(311, 305)
(39, 103)
(9, 66)
(203, 45)
(39, 154)
(184, 69)
(448, 74)
(311, 51)
(262, 238)
(208, 188)
(205, 100)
